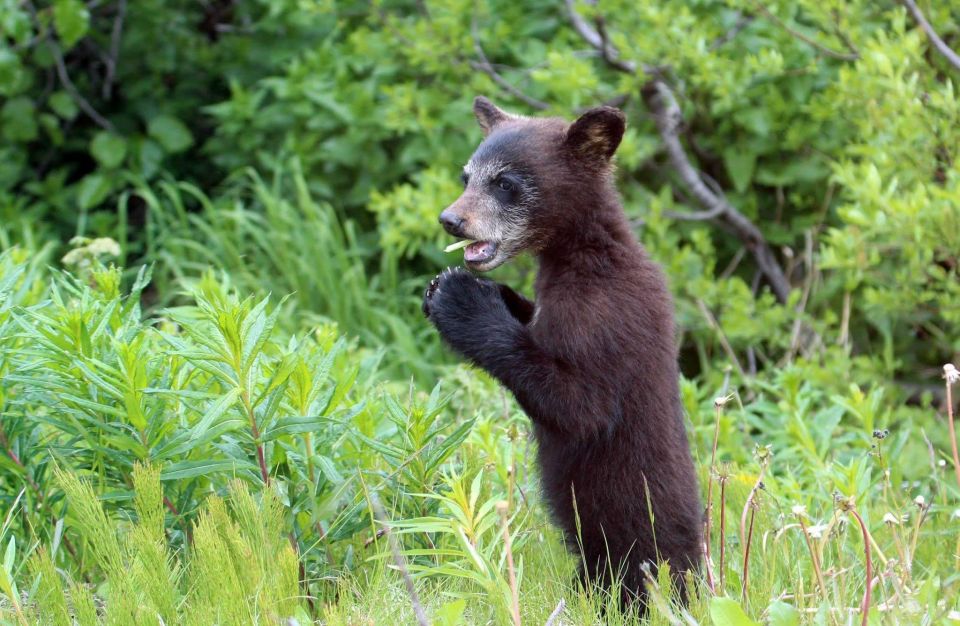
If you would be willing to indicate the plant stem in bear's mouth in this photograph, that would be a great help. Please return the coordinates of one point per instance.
(463, 243)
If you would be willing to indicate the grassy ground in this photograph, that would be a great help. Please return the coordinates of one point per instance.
(206, 465)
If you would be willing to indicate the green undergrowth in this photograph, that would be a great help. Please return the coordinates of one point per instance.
(203, 464)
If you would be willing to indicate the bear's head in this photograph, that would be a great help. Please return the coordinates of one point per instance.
(521, 182)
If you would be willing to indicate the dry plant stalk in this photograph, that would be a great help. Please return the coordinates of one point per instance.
(718, 405)
(557, 612)
(951, 375)
(502, 509)
(800, 512)
(749, 511)
(848, 505)
(723, 526)
(381, 516)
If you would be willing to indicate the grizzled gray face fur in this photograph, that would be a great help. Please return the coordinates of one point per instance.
(500, 193)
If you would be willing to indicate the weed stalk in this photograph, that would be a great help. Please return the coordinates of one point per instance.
(502, 509)
(763, 454)
(951, 376)
(848, 505)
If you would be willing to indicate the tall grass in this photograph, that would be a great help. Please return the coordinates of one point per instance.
(273, 237)
(210, 465)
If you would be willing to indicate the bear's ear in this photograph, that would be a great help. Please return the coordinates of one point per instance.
(488, 114)
(597, 133)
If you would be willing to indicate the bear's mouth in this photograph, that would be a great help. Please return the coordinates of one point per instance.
(479, 253)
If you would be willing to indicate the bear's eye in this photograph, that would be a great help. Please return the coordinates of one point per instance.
(464, 178)
(505, 184)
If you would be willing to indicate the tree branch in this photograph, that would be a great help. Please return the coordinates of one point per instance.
(853, 56)
(114, 57)
(82, 102)
(487, 68)
(938, 43)
(666, 113)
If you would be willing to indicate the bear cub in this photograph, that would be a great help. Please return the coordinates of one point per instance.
(593, 361)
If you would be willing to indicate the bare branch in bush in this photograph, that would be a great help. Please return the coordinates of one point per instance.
(742, 22)
(113, 58)
(487, 68)
(833, 54)
(666, 113)
(935, 39)
(82, 102)
(381, 516)
(556, 613)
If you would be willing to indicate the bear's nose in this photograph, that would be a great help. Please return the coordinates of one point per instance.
(452, 223)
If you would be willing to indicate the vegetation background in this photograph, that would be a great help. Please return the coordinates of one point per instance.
(219, 402)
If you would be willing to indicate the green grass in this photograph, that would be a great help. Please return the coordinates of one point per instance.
(214, 463)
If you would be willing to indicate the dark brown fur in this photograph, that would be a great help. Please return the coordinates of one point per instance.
(594, 362)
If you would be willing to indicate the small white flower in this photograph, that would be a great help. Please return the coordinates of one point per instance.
(955, 514)
(942, 463)
(104, 246)
(799, 510)
(920, 501)
(816, 531)
(721, 401)
(890, 518)
(951, 374)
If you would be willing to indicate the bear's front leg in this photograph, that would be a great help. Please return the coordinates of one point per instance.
(471, 315)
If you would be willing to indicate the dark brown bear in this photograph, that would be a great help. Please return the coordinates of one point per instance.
(593, 361)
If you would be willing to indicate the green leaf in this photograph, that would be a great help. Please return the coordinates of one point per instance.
(108, 149)
(740, 164)
(19, 119)
(170, 133)
(783, 614)
(726, 612)
(327, 468)
(63, 105)
(218, 408)
(192, 469)
(451, 613)
(295, 426)
(440, 453)
(93, 190)
(71, 19)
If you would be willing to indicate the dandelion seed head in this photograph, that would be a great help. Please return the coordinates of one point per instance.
(951, 374)
(816, 531)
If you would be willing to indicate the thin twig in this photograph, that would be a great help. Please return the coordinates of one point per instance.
(594, 38)
(667, 115)
(82, 102)
(556, 613)
(853, 56)
(727, 348)
(666, 112)
(113, 58)
(487, 68)
(381, 516)
(938, 43)
(742, 22)
(502, 510)
(951, 376)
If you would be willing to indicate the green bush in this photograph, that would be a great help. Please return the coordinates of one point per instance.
(269, 174)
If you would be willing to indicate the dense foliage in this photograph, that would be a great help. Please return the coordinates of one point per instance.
(215, 222)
